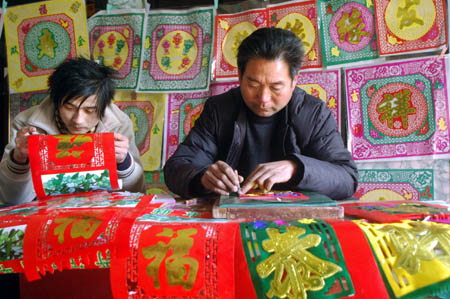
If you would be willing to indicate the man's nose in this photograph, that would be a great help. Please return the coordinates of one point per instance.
(79, 117)
(264, 95)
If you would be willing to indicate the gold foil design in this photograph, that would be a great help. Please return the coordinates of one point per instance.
(424, 242)
(82, 226)
(180, 268)
(351, 27)
(295, 269)
(66, 143)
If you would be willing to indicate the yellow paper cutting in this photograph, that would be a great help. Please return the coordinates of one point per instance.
(146, 111)
(412, 254)
(41, 35)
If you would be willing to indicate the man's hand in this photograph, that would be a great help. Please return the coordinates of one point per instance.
(267, 174)
(121, 145)
(20, 153)
(221, 178)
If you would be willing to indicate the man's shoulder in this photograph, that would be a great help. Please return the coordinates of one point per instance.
(114, 117)
(302, 102)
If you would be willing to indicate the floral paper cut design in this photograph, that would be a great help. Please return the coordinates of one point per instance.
(40, 36)
(398, 110)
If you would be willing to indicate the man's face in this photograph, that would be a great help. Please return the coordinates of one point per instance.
(80, 119)
(266, 86)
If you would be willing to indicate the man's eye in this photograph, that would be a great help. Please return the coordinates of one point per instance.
(90, 111)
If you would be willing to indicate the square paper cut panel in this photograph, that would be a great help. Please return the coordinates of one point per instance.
(39, 37)
(399, 110)
(326, 86)
(177, 51)
(348, 31)
(146, 112)
(116, 40)
(183, 110)
(301, 19)
(410, 26)
(231, 30)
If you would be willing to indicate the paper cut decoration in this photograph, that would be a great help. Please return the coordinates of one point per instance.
(325, 85)
(300, 18)
(177, 51)
(146, 112)
(183, 110)
(399, 110)
(405, 26)
(395, 211)
(395, 184)
(67, 164)
(183, 260)
(155, 184)
(40, 36)
(276, 251)
(415, 251)
(348, 31)
(116, 40)
(230, 31)
(19, 102)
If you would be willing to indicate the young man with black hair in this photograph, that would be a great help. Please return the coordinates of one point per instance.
(267, 130)
(81, 92)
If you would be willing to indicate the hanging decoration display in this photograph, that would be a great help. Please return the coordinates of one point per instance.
(115, 40)
(40, 36)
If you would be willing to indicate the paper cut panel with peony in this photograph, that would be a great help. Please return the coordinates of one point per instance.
(116, 41)
(231, 30)
(301, 19)
(348, 31)
(177, 51)
(40, 36)
(398, 110)
(146, 112)
(408, 26)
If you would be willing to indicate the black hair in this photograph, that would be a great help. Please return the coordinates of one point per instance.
(271, 43)
(81, 77)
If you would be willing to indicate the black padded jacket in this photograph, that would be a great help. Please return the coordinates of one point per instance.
(309, 137)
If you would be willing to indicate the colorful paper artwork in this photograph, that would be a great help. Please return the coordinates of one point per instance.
(273, 248)
(300, 18)
(230, 31)
(183, 109)
(413, 251)
(405, 26)
(399, 110)
(155, 184)
(325, 85)
(19, 102)
(146, 112)
(41, 35)
(177, 51)
(116, 40)
(348, 31)
(68, 164)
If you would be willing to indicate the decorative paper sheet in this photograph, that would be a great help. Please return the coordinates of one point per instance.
(290, 260)
(40, 36)
(326, 85)
(300, 17)
(11, 248)
(146, 111)
(180, 260)
(414, 251)
(183, 109)
(410, 26)
(230, 31)
(395, 211)
(348, 31)
(177, 50)
(115, 39)
(19, 102)
(403, 180)
(67, 164)
(155, 184)
(399, 110)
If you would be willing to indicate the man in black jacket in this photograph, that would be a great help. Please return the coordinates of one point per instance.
(267, 131)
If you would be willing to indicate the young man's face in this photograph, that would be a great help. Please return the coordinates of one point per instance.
(80, 119)
(266, 86)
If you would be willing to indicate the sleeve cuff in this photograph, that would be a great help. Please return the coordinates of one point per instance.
(15, 166)
(125, 163)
